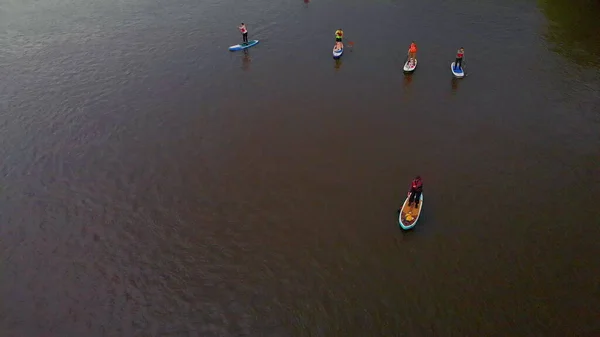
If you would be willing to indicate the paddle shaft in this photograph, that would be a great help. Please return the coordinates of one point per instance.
(462, 65)
(466, 74)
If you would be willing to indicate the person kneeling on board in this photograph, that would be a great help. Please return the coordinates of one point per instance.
(459, 57)
(416, 188)
(244, 32)
(339, 34)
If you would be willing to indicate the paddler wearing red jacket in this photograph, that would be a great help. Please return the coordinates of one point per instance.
(412, 52)
(459, 57)
(244, 32)
(416, 188)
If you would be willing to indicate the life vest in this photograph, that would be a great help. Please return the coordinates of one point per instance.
(339, 34)
(413, 48)
(243, 29)
(460, 54)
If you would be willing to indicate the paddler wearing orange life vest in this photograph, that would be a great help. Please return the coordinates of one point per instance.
(416, 188)
(244, 32)
(412, 52)
(460, 53)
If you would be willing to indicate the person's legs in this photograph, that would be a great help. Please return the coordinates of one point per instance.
(459, 63)
(417, 198)
(411, 199)
(245, 37)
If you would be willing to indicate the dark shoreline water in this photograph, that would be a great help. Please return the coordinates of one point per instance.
(155, 184)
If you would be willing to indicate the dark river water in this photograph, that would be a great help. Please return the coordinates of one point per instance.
(152, 183)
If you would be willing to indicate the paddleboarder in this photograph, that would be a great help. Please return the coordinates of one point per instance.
(244, 32)
(339, 34)
(416, 188)
(460, 53)
(412, 52)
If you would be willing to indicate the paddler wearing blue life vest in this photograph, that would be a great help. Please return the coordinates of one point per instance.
(460, 53)
(416, 188)
(244, 32)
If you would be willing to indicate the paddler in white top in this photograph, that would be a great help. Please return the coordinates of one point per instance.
(244, 32)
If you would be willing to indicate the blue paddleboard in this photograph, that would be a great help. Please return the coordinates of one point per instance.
(457, 72)
(243, 45)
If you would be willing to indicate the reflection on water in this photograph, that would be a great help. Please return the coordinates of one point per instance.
(338, 64)
(246, 60)
(454, 84)
(407, 79)
(574, 29)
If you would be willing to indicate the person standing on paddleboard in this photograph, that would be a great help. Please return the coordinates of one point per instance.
(412, 52)
(339, 34)
(244, 32)
(416, 188)
(459, 57)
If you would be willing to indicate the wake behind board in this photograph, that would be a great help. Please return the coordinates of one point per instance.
(409, 67)
(457, 72)
(409, 215)
(337, 53)
(244, 45)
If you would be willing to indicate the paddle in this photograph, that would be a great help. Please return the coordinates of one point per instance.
(463, 67)
(351, 45)
(407, 195)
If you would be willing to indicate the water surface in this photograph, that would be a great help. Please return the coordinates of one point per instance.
(155, 184)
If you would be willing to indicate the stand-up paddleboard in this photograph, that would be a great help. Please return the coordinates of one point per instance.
(409, 215)
(337, 53)
(409, 67)
(457, 72)
(244, 45)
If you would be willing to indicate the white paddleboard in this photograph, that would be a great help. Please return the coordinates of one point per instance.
(337, 53)
(410, 66)
(458, 73)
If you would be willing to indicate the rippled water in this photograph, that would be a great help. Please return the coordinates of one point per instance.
(155, 184)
